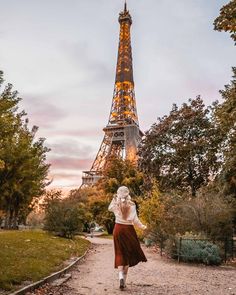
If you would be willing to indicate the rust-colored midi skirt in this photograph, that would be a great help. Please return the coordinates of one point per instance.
(127, 246)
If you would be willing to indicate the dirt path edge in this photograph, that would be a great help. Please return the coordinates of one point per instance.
(54, 276)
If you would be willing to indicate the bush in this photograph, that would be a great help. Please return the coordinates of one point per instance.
(199, 251)
(171, 246)
(63, 218)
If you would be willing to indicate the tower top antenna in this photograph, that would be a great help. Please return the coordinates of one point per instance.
(125, 9)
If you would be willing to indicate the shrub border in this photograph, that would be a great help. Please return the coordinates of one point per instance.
(49, 278)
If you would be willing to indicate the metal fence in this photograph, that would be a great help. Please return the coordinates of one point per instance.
(227, 247)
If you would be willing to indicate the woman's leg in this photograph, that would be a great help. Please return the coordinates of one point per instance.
(126, 267)
(121, 276)
(121, 272)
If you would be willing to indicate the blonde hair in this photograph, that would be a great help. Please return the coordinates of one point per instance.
(124, 201)
(125, 209)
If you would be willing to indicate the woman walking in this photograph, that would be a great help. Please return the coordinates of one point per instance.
(128, 252)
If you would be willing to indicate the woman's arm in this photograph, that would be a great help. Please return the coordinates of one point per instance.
(137, 222)
(113, 204)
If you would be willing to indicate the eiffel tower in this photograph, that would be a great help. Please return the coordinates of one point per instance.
(122, 133)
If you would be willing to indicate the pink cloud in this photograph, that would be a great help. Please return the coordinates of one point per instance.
(70, 163)
(76, 132)
(43, 113)
(64, 176)
(70, 147)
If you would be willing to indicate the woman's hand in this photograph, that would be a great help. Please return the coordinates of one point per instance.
(115, 199)
(144, 227)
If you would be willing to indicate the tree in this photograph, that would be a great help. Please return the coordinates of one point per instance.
(116, 173)
(86, 194)
(180, 150)
(152, 212)
(23, 173)
(2, 164)
(101, 215)
(97, 198)
(209, 213)
(160, 212)
(225, 117)
(121, 172)
(226, 21)
(97, 203)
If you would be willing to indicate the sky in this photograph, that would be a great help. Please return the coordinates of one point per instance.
(61, 57)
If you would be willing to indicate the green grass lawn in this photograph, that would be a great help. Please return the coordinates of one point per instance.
(32, 255)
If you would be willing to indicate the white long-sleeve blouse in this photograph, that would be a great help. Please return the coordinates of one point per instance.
(132, 218)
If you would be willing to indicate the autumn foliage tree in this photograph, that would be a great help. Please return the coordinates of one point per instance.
(97, 198)
(209, 213)
(154, 213)
(23, 167)
(96, 202)
(180, 150)
(163, 214)
(225, 117)
(121, 172)
(226, 21)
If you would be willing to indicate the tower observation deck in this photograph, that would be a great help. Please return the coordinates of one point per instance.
(122, 133)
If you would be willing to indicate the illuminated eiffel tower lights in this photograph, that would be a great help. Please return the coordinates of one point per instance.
(122, 133)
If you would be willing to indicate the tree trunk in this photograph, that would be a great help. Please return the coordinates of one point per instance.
(8, 219)
(15, 219)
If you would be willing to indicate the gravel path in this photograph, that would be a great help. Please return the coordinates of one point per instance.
(95, 275)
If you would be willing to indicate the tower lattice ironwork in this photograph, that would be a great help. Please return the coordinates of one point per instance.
(122, 133)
